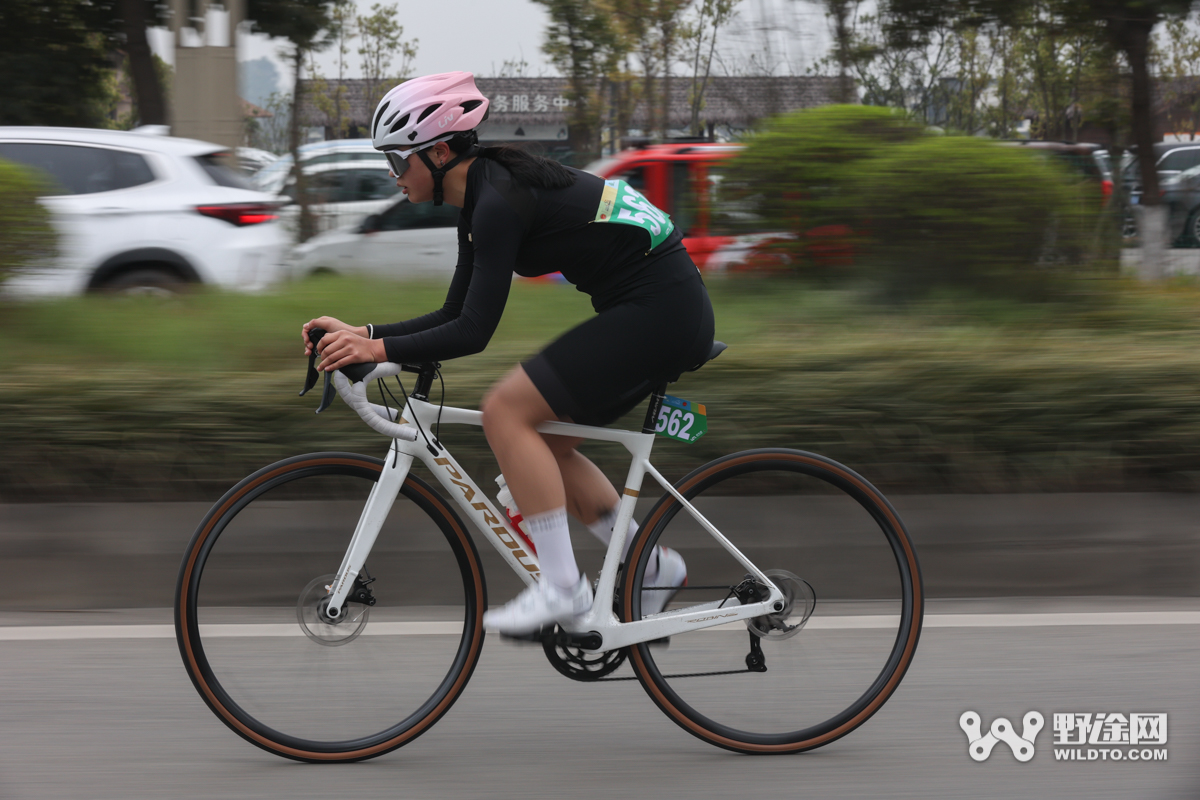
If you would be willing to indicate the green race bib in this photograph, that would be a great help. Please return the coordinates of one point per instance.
(681, 420)
(623, 204)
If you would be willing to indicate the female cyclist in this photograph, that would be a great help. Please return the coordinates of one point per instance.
(532, 216)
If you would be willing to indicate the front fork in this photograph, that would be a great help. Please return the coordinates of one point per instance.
(379, 504)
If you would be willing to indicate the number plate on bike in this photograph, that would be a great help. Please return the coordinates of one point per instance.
(681, 420)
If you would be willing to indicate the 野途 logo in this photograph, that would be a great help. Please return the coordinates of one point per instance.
(1116, 736)
(980, 744)
(1078, 736)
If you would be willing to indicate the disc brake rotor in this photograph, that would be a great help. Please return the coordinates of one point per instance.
(310, 613)
(799, 600)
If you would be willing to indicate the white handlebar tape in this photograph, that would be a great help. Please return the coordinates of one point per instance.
(355, 396)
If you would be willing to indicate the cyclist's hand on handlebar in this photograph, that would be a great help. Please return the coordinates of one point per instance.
(345, 347)
(329, 325)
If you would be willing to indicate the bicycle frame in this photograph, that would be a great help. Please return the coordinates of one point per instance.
(494, 526)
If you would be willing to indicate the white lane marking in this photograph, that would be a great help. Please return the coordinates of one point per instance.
(436, 628)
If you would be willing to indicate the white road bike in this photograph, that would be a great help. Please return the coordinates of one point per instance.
(801, 613)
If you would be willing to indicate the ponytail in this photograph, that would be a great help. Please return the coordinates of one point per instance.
(527, 168)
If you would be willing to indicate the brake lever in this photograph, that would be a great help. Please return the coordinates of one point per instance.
(310, 378)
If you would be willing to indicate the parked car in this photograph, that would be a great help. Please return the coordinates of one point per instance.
(1181, 196)
(273, 176)
(1171, 159)
(339, 194)
(251, 159)
(145, 212)
(405, 240)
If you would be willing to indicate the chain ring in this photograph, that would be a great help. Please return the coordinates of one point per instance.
(578, 664)
(310, 613)
(798, 595)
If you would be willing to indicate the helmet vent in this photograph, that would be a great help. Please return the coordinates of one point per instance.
(379, 115)
(471, 105)
(428, 111)
(400, 123)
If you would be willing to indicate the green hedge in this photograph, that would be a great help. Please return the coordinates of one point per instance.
(111, 398)
(912, 408)
(26, 236)
(920, 211)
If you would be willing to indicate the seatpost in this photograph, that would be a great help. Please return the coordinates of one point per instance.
(656, 401)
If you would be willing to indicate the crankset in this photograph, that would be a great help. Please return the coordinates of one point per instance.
(565, 655)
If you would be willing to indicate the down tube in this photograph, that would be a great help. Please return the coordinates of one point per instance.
(478, 509)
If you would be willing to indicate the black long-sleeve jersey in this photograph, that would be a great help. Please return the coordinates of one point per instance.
(507, 227)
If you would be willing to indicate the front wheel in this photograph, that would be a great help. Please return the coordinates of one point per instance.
(819, 668)
(266, 659)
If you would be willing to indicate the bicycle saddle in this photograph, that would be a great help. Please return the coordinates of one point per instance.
(717, 349)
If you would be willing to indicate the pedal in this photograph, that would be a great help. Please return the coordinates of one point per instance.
(534, 637)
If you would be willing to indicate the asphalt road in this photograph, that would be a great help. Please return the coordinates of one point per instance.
(117, 718)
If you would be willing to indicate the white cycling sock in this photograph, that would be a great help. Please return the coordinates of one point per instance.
(552, 538)
(603, 528)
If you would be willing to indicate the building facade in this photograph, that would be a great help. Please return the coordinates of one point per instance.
(539, 109)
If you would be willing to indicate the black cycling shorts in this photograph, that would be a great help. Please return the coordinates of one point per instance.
(602, 369)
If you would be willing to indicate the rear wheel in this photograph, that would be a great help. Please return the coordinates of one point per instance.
(279, 672)
(819, 668)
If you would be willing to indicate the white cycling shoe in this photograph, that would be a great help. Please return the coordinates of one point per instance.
(671, 571)
(540, 605)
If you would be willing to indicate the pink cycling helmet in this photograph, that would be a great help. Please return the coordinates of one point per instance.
(424, 111)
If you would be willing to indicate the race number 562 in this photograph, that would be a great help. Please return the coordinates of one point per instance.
(681, 420)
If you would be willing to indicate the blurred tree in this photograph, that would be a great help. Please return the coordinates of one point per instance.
(149, 90)
(891, 72)
(1178, 58)
(53, 56)
(273, 133)
(308, 27)
(842, 12)
(319, 94)
(382, 41)
(511, 68)
(712, 15)
(1127, 24)
(650, 31)
(164, 74)
(336, 103)
(585, 46)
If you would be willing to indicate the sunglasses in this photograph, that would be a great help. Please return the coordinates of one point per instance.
(398, 164)
(398, 159)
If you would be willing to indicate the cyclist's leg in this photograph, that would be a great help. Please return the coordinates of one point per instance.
(512, 410)
(589, 493)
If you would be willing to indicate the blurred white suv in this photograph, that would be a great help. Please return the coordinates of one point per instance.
(145, 212)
